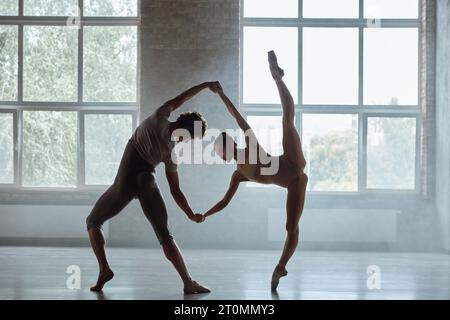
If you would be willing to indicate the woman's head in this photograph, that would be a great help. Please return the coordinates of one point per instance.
(194, 123)
(225, 146)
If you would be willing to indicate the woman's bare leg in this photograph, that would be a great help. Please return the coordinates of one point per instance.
(294, 208)
(292, 146)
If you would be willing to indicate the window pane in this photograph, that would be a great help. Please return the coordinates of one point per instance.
(9, 7)
(50, 63)
(391, 152)
(49, 149)
(105, 139)
(330, 66)
(259, 87)
(6, 148)
(269, 132)
(51, 8)
(106, 8)
(271, 8)
(391, 66)
(110, 60)
(388, 9)
(330, 143)
(330, 8)
(8, 63)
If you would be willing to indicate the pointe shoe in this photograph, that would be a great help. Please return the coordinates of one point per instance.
(195, 287)
(103, 278)
(275, 70)
(278, 273)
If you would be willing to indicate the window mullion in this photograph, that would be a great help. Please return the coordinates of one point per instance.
(361, 10)
(300, 9)
(81, 7)
(21, 8)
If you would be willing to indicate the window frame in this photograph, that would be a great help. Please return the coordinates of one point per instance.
(80, 106)
(363, 111)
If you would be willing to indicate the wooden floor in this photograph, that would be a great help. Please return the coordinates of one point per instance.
(40, 273)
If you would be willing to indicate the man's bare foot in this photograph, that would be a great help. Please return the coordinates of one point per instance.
(103, 278)
(195, 287)
(277, 72)
(278, 273)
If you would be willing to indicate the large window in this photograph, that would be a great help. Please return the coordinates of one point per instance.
(352, 67)
(68, 91)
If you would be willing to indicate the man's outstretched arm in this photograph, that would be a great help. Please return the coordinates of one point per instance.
(236, 179)
(179, 100)
(178, 196)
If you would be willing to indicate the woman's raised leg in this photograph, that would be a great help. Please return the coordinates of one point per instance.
(292, 146)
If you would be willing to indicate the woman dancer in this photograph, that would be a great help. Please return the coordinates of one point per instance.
(291, 163)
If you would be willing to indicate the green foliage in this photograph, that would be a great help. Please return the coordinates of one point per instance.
(50, 149)
(391, 153)
(9, 7)
(8, 63)
(50, 7)
(105, 139)
(110, 60)
(110, 8)
(333, 161)
(50, 63)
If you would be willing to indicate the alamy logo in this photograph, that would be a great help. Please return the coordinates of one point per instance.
(374, 13)
(74, 19)
(73, 281)
(205, 154)
(374, 279)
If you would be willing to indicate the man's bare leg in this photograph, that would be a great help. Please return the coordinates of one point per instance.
(98, 245)
(174, 255)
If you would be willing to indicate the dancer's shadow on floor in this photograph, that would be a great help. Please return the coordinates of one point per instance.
(101, 295)
(275, 295)
(198, 296)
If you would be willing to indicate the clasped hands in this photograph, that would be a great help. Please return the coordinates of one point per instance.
(199, 218)
(215, 86)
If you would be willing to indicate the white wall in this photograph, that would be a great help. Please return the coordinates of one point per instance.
(43, 221)
(443, 121)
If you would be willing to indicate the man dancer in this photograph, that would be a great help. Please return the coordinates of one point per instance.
(151, 144)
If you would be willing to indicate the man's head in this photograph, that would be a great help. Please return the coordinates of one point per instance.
(194, 123)
(225, 146)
